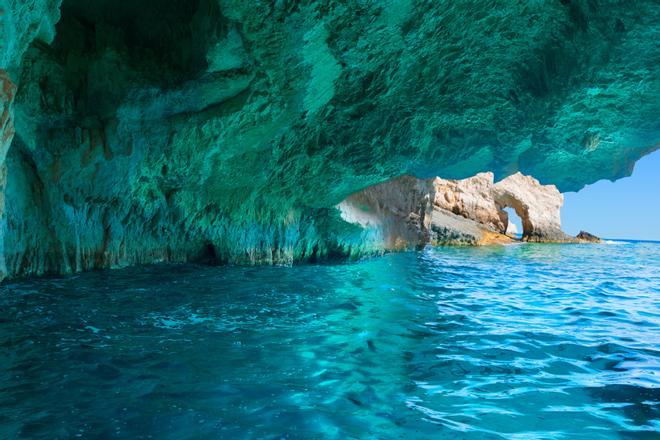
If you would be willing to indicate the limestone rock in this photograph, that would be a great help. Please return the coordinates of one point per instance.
(22, 22)
(229, 130)
(462, 212)
(395, 215)
(480, 199)
(471, 198)
(448, 228)
(7, 93)
(538, 206)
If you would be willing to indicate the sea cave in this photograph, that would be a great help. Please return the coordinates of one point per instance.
(360, 146)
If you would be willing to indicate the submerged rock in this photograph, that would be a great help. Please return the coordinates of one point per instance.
(229, 130)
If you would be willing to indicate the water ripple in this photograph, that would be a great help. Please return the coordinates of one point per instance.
(520, 342)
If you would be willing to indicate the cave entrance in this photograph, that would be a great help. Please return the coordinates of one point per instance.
(514, 226)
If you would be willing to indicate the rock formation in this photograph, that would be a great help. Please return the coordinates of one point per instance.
(585, 237)
(394, 215)
(471, 198)
(538, 206)
(480, 199)
(409, 212)
(229, 130)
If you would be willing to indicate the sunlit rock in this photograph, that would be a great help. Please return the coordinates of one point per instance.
(407, 212)
(449, 229)
(480, 199)
(538, 206)
(472, 198)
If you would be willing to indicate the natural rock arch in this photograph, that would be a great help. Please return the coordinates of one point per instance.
(480, 199)
(538, 206)
(410, 212)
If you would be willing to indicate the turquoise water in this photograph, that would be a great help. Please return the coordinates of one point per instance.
(517, 342)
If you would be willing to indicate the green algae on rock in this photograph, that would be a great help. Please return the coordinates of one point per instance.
(230, 130)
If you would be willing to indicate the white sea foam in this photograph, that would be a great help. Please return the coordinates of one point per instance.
(615, 242)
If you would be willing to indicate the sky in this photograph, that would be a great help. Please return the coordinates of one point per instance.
(513, 218)
(628, 208)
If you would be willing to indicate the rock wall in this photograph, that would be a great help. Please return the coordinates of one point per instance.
(480, 199)
(229, 130)
(407, 212)
(472, 198)
(394, 215)
(7, 92)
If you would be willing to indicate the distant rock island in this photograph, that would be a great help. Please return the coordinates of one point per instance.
(585, 237)
(414, 212)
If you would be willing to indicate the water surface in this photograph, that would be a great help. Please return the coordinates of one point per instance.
(517, 342)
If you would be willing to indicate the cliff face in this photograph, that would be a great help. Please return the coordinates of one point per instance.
(471, 198)
(229, 130)
(481, 199)
(409, 212)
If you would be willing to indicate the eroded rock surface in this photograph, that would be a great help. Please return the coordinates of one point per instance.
(229, 130)
(538, 206)
(7, 92)
(471, 198)
(480, 199)
(456, 212)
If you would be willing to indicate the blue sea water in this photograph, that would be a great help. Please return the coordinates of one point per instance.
(517, 342)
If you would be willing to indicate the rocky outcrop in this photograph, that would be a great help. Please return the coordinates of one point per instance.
(409, 212)
(449, 229)
(585, 237)
(480, 199)
(229, 130)
(538, 206)
(471, 198)
(395, 215)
